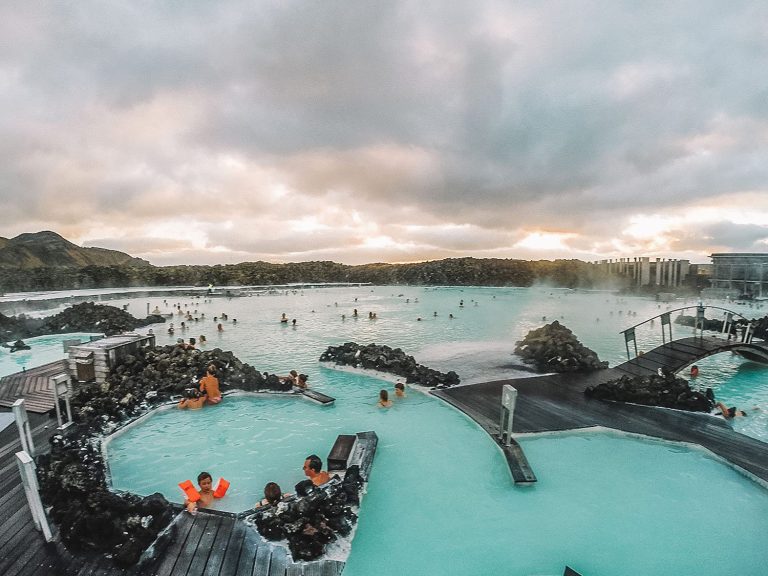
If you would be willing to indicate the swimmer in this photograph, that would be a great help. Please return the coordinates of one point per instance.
(399, 390)
(384, 401)
(313, 470)
(220, 328)
(302, 381)
(272, 495)
(694, 371)
(729, 413)
(284, 319)
(205, 482)
(292, 378)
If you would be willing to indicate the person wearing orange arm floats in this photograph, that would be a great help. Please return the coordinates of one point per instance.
(205, 495)
(209, 385)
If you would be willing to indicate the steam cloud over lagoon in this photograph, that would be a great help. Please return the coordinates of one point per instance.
(361, 132)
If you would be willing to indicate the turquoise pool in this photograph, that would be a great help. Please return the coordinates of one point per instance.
(440, 499)
(440, 495)
(43, 349)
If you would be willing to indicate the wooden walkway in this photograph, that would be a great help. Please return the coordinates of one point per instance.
(33, 385)
(557, 402)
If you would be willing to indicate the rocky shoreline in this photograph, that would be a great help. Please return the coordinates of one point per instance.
(85, 317)
(382, 358)
(73, 477)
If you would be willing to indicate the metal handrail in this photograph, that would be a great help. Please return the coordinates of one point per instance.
(629, 333)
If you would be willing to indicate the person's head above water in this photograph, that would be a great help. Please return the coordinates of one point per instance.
(383, 395)
(272, 493)
(312, 465)
(205, 481)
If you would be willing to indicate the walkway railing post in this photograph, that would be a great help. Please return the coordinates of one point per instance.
(32, 490)
(699, 320)
(508, 401)
(22, 422)
(60, 385)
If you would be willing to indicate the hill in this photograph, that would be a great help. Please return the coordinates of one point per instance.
(46, 261)
(48, 249)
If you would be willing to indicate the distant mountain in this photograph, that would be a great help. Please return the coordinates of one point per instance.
(48, 249)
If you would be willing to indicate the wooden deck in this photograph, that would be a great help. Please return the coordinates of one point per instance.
(33, 385)
(557, 402)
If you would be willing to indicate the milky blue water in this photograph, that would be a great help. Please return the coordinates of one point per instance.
(440, 499)
(42, 350)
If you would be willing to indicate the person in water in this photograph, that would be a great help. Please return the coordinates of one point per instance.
(384, 401)
(313, 470)
(729, 413)
(205, 488)
(272, 495)
(194, 400)
(301, 382)
(399, 390)
(292, 378)
(209, 385)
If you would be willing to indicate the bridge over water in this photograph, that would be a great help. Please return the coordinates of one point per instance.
(556, 402)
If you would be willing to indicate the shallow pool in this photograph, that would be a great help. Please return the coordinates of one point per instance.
(43, 349)
(441, 500)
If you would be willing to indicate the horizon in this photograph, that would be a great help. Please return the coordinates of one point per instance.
(399, 133)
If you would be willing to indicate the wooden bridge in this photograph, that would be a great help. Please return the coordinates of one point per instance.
(557, 402)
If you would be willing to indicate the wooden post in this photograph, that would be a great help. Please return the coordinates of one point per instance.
(32, 490)
(508, 401)
(22, 422)
(60, 385)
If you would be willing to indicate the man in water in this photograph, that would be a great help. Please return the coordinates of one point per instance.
(313, 470)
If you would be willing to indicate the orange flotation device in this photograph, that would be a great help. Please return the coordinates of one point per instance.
(189, 490)
(221, 488)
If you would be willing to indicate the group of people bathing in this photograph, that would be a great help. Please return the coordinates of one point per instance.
(208, 391)
(273, 494)
(384, 401)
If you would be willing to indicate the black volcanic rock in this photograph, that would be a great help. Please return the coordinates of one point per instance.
(655, 390)
(311, 522)
(84, 317)
(72, 476)
(389, 360)
(554, 348)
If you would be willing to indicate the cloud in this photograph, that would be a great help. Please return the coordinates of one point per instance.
(298, 130)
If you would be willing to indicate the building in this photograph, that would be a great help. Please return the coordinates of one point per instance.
(92, 361)
(737, 274)
(643, 271)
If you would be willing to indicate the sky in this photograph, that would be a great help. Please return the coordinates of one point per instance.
(198, 132)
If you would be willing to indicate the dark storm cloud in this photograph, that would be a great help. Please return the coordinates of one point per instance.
(491, 117)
